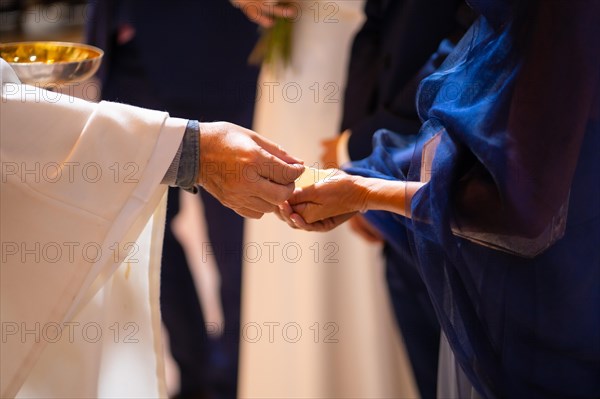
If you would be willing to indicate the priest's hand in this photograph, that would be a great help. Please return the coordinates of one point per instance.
(245, 171)
(264, 12)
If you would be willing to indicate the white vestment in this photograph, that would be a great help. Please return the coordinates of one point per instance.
(82, 218)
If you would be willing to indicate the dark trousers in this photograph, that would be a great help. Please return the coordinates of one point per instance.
(416, 319)
(208, 366)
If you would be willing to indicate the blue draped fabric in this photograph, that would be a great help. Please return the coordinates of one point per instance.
(506, 232)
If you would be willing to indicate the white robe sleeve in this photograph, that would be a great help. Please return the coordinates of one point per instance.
(80, 181)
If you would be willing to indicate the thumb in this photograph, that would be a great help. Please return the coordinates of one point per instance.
(309, 211)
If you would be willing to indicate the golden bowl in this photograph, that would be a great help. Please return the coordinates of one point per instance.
(51, 62)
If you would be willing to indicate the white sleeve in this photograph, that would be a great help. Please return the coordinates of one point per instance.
(76, 178)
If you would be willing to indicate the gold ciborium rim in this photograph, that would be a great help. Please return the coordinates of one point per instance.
(61, 68)
(99, 51)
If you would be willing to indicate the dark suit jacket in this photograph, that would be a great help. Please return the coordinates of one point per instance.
(389, 57)
(182, 45)
(400, 43)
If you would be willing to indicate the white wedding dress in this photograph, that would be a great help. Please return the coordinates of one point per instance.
(316, 319)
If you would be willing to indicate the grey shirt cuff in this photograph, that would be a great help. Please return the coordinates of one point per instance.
(183, 171)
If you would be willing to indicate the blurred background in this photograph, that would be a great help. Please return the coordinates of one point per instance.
(42, 20)
(315, 321)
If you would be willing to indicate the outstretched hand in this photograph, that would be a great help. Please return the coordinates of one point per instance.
(245, 171)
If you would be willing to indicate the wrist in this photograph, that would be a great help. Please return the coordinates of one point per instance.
(208, 132)
(387, 195)
(367, 192)
(375, 197)
(183, 171)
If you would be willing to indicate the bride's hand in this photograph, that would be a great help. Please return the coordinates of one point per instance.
(327, 203)
(294, 220)
(338, 196)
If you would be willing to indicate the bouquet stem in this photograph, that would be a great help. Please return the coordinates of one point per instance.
(274, 45)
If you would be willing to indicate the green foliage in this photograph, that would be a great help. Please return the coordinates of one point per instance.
(274, 45)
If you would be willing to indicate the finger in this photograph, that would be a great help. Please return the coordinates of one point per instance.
(258, 204)
(276, 170)
(311, 213)
(303, 195)
(279, 214)
(284, 211)
(339, 219)
(299, 209)
(299, 221)
(248, 213)
(269, 191)
(322, 225)
(275, 149)
(333, 222)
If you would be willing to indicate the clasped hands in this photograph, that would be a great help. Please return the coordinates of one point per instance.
(333, 199)
(338, 196)
(252, 175)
